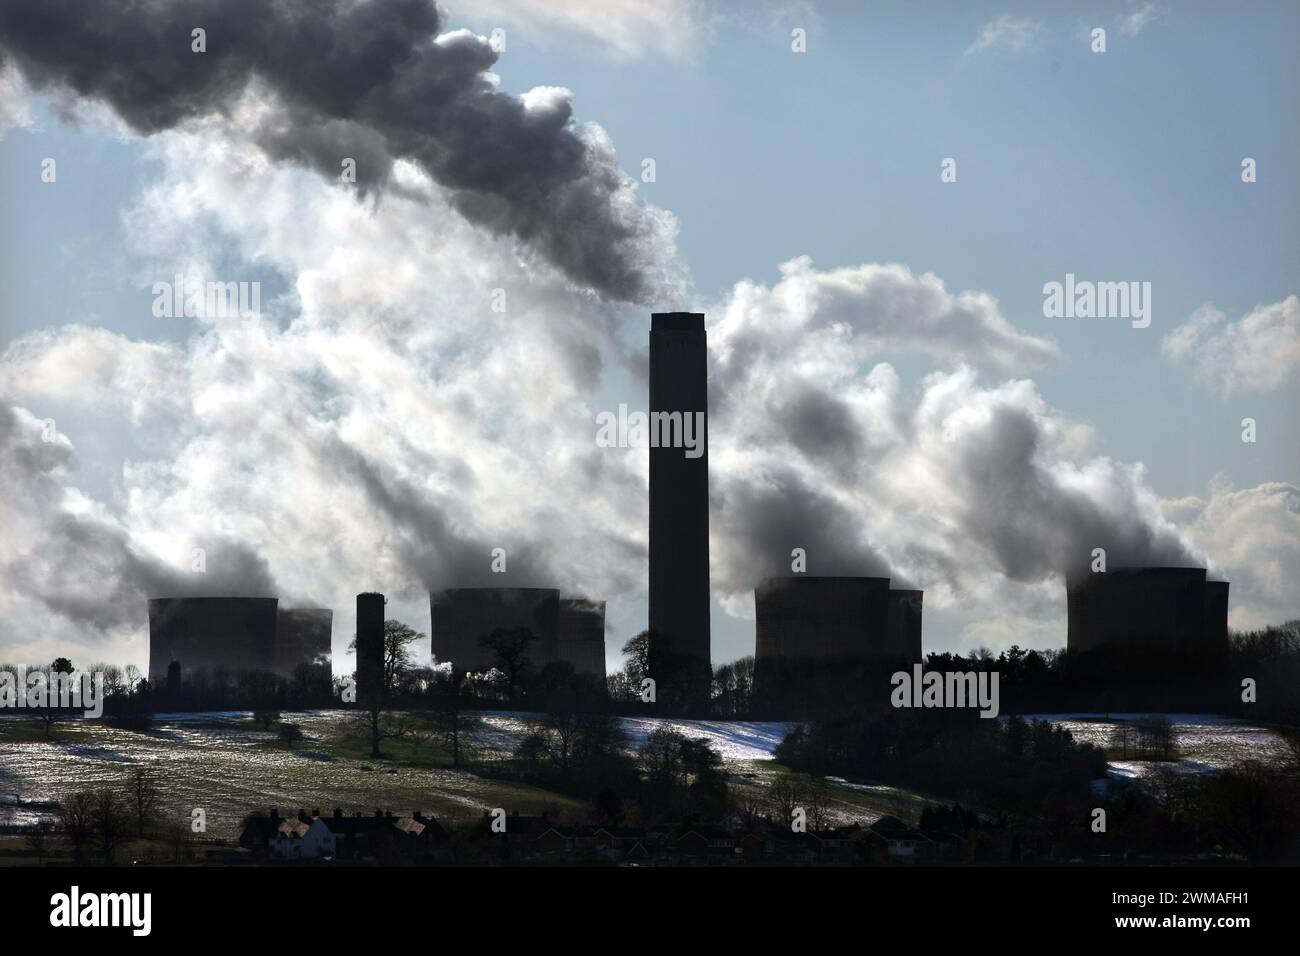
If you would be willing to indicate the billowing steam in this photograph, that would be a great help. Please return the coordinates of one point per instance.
(320, 81)
(381, 428)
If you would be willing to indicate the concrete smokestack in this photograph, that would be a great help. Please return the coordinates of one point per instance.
(679, 507)
(370, 648)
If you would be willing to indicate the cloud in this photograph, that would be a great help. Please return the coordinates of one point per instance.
(629, 29)
(378, 82)
(635, 29)
(75, 558)
(107, 370)
(1254, 535)
(15, 106)
(828, 322)
(1006, 33)
(1258, 352)
(1133, 23)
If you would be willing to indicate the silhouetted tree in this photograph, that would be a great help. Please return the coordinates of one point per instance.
(454, 723)
(510, 648)
(110, 818)
(143, 796)
(39, 839)
(76, 817)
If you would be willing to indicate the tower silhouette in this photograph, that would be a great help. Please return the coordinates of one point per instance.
(679, 513)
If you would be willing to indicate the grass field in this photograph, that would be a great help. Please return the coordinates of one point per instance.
(228, 765)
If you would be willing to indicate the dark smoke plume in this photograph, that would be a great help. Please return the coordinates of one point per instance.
(365, 79)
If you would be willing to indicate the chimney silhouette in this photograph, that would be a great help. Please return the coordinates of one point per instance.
(370, 648)
(679, 510)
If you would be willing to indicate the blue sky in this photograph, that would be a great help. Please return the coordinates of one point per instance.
(1117, 166)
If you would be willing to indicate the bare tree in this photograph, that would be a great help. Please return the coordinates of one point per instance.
(77, 821)
(58, 673)
(786, 795)
(378, 724)
(454, 723)
(180, 837)
(1121, 738)
(817, 793)
(143, 797)
(510, 645)
(398, 638)
(131, 677)
(110, 818)
(40, 839)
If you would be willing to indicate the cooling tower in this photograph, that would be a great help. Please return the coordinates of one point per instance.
(904, 640)
(679, 501)
(822, 619)
(206, 633)
(582, 635)
(1170, 608)
(460, 616)
(370, 647)
(302, 636)
(1216, 614)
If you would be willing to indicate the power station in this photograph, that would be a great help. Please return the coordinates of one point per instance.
(802, 622)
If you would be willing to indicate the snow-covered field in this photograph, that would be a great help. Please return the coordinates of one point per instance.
(1205, 742)
(211, 760)
(736, 740)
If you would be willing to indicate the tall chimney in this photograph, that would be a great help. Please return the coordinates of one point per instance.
(370, 648)
(679, 510)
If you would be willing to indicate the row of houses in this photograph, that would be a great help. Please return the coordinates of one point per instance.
(388, 837)
(381, 836)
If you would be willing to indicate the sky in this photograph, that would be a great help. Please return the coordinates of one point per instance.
(886, 390)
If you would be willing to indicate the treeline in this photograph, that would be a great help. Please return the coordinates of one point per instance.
(669, 776)
(1247, 812)
(1035, 790)
(128, 693)
(1256, 677)
(95, 824)
(1013, 768)
(1135, 677)
(1270, 657)
(1114, 678)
